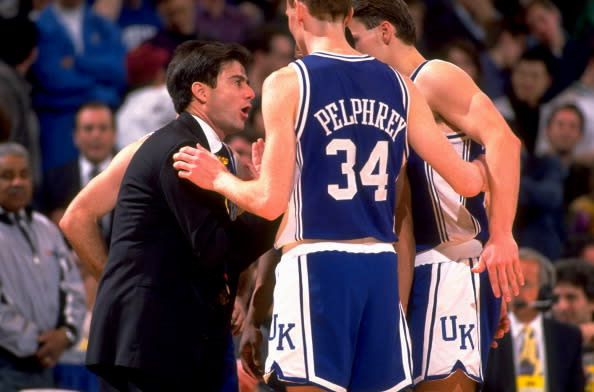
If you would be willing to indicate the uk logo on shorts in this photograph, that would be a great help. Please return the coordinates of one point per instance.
(449, 333)
(281, 332)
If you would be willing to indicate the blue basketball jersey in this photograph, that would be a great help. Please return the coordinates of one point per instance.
(351, 144)
(440, 214)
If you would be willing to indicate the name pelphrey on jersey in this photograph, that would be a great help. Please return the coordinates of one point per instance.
(339, 114)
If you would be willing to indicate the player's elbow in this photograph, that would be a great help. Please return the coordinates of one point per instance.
(66, 223)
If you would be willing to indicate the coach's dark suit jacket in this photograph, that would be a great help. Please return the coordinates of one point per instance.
(563, 346)
(159, 307)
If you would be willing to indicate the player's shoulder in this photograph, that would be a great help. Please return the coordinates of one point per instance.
(282, 80)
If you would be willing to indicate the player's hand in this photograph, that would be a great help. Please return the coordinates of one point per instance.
(257, 153)
(238, 317)
(503, 326)
(198, 165)
(500, 258)
(249, 350)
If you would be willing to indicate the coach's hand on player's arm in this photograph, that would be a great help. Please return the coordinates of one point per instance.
(500, 258)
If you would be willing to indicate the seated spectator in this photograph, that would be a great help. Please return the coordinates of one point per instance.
(43, 302)
(505, 44)
(272, 48)
(538, 350)
(539, 220)
(530, 78)
(466, 56)
(16, 58)
(581, 211)
(138, 19)
(94, 136)
(571, 56)
(221, 21)
(179, 24)
(149, 106)
(581, 94)
(81, 58)
(564, 131)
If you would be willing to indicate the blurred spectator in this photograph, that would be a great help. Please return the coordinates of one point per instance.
(4, 126)
(81, 58)
(584, 25)
(466, 56)
(221, 21)
(581, 211)
(505, 44)
(447, 20)
(564, 131)
(580, 93)
(43, 303)
(539, 220)
(179, 24)
(149, 106)
(574, 296)
(241, 143)
(272, 48)
(418, 10)
(16, 58)
(571, 56)
(538, 350)
(138, 19)
(531, 77)
(94, 136)
(255, 124)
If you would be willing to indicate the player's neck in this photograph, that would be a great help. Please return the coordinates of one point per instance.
(406, 58)
(332, 41)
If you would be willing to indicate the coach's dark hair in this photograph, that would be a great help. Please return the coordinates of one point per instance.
(322, 9)
(199, 61)
(373, 12)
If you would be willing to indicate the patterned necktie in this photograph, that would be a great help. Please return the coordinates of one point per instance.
(226, 158)
(530, 364)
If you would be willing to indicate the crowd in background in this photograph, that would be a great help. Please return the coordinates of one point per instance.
(81, 79)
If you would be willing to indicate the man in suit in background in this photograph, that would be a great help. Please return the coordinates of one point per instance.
(94, 135)
(539, 352)
(162, 314)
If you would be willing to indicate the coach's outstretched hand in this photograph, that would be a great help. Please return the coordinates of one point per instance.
(500, 258)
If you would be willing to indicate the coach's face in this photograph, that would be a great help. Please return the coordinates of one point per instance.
(228, 104)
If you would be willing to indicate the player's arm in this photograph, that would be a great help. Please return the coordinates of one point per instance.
(469, 110)
(96, 199)
(405, 247)
(268, 195)
(466, 178)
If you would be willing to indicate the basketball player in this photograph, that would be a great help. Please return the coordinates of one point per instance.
(338, 125)
(450, 336)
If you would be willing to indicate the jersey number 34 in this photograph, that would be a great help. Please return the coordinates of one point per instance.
(377, 159)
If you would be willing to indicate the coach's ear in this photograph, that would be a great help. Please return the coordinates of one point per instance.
(387, 32)
(200, 91)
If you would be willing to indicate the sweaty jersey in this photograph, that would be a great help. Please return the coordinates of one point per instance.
(351, 143)
(441, 215)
